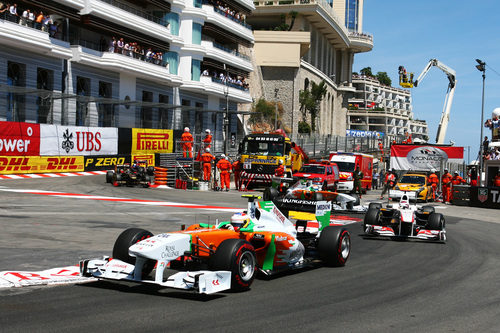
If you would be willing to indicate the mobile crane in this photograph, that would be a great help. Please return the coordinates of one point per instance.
(406, 82)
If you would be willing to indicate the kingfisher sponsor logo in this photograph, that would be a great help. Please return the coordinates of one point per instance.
(299, 202)
(152, 141)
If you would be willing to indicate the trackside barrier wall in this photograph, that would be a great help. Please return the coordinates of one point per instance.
(43, 148)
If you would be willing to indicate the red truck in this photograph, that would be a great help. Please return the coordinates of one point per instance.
(322, 173)
(347, 163)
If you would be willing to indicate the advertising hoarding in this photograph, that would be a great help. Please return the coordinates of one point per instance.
(18, 139)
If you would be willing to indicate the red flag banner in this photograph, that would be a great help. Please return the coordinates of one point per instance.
(424, 157)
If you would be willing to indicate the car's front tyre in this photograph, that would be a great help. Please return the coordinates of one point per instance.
(334, 245)
(238, 257)
(125, 240)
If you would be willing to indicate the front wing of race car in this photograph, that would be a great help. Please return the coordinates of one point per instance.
(203, 282)
(423, 234)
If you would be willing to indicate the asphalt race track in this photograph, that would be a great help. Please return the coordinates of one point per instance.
(386, 285)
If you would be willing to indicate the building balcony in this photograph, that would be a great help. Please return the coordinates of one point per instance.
(227, 56)
(78, 4)
(219, 18)
(32, 40)
(126, 16)
(116, 62)
(209, 85)
(363, 42)
(320, 11)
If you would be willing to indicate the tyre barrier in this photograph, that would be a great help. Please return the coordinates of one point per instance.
(160, 176)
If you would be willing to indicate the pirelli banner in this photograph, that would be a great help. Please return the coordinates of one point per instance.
(40, 164)
(424, 157)
(77, 140)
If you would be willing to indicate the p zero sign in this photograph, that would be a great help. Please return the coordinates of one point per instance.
(76, 140)
(151, 141)
(413, 157)
(18, 139)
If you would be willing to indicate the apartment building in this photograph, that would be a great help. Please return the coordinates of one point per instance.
(120, 63)
(298, 42)
(377, 107)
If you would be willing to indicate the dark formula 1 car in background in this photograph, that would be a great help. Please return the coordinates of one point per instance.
(139, 173)
(404, 220)
(301, 195)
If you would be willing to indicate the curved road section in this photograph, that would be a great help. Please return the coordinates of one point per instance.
(387, 285)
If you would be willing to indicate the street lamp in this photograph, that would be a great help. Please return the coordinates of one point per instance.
(226, 118)
(482, 68)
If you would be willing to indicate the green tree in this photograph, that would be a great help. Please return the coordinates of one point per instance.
(265, 112)
(366, 71)
(310, 100)
(383, 78)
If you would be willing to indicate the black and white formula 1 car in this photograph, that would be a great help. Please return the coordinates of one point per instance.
(404, 220)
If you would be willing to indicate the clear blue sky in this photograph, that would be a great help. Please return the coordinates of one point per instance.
(410, 33)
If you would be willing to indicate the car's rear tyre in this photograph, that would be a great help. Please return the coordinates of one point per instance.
(151, 170)
(116, 179)
(125, 240)
(435, 222)
(270, 193)
(334, 245)
(109, 177)
(428, 209)
(238, 257)
(376, 205)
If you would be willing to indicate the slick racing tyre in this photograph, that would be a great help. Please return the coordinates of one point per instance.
(371, 217)
(238, 257)
(128, 238)
(109, 177)
(116, 179)
(428, 209)
(151, 170)
(270, 193)
(435, 222)
(375, 205)
(334, 245)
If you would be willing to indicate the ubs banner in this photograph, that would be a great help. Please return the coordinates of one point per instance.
(18, 139)
(150, 141)
(78, 140)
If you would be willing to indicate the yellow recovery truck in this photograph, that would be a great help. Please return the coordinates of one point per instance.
(261, 153)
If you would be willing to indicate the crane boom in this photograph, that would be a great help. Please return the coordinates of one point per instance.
(445, 115)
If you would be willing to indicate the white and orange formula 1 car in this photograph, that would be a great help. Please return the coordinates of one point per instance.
(212, 258)
(404, 220)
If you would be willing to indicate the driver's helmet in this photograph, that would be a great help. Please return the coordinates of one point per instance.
(405, 202)
(238, 220)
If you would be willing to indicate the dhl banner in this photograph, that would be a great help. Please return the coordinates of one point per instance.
(148, 157)
(424, 157)
(17, 139)
(78, 140)
(148, 141)
(40, 164)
